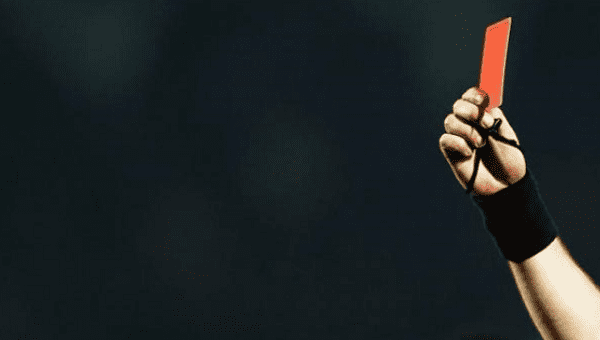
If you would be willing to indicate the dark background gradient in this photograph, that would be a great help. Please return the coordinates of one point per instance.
(254, 170)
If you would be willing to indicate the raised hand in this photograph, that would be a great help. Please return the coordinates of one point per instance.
(501, 165)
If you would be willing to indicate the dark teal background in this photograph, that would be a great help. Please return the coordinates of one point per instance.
(246, 170)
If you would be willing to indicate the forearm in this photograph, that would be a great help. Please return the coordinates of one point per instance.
(562, 300)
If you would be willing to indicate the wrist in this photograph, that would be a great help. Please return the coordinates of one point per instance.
(517, 219)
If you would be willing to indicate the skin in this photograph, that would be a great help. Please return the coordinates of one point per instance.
(506, 164)
(561, 299)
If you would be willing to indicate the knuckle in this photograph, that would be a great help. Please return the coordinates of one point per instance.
(466, 109)
(457, 107)
(458, 130)
(470, 94)
(441, 141)
(448, 121)
(443, 138)
(477, 95)
(445, 141)
(478, 98)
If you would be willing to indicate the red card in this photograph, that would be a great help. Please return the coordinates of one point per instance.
(493, 61)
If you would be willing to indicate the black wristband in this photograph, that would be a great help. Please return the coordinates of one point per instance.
(518, 219)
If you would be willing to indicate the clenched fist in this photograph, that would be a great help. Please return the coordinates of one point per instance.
(501, 164)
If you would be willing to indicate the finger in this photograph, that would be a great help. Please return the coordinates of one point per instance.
(456, 126)
(476, 96)
(454, 147)
(471, 112)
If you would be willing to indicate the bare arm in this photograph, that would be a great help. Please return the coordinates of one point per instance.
(562, 300)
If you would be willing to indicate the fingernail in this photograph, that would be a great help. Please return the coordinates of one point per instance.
(487, 121)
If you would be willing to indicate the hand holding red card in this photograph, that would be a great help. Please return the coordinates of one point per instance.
(467, 128)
